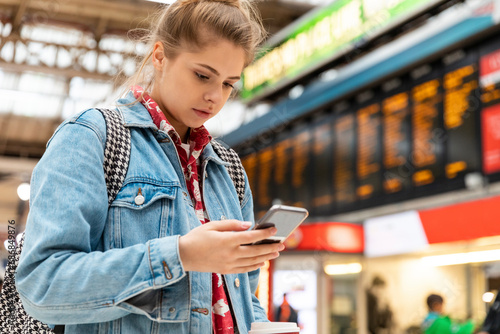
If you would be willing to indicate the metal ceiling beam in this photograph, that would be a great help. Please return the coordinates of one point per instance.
(122, 12)
(79, 55)
(16, 24)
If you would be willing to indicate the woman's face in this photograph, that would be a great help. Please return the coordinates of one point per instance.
(193, 87)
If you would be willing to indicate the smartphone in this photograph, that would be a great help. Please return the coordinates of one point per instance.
(285, 218)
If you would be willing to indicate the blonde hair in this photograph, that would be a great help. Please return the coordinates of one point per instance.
(188, 24)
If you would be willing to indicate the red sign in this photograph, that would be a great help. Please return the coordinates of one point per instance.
(490, 68)
(464, 221)
(327, 236)
(490, 123)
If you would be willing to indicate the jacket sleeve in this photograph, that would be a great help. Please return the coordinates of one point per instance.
(253, 276)
(61, 277)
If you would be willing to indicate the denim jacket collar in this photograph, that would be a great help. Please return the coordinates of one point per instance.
(135, 115)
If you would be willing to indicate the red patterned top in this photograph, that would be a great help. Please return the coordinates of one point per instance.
(198, 138)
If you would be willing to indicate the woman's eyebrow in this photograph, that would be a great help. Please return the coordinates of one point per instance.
(214, 71)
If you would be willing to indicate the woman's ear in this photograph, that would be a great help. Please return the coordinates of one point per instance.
(158, 56)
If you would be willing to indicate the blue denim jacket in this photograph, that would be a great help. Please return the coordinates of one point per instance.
(117, 269)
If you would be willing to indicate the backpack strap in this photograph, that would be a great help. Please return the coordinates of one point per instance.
(235, 169)
(13, 316)
(116, 152)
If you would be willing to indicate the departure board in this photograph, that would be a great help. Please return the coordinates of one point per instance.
(322, 148)
(265, 159)
(249, 162)
(428, 135)
(283, 156)
(369, 152)
(416, 134)
(301, 176)
(397, 142)
(344, 179)
(461, 109)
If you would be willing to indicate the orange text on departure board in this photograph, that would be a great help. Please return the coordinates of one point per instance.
(452, 169)
(265, 171)
(395, 110)
(249, 162)
(281, 161)
(300, 158)
(490, 93)
(457, 93)
(343, 175)
(368, 122)
(424, 115)
(322, 137)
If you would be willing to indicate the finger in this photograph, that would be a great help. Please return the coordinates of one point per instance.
(229, 225)
(249, 261)
(246, 269)
(250, 251)
(255, 235)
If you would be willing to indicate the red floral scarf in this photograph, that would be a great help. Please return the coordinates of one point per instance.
(198, 138)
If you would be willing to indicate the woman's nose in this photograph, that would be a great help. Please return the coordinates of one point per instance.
(214, 95)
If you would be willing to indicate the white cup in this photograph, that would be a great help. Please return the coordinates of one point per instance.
(274, 328)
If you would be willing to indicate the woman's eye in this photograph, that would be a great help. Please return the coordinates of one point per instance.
(227, 84)
(201, 76)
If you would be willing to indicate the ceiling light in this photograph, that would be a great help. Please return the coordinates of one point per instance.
(488, 297)
(462, 258)
(23, 191)
(343, 269)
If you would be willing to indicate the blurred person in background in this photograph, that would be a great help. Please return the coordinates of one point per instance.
(163, 257)
(492, 322)
(285, 312)
(380, 318)
(436, 322)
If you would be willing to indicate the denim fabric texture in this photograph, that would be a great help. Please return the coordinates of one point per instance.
(116, 269)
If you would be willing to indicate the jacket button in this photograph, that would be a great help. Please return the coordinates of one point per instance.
(171, 310)
(222, 217)
(237, 282)
(139, 200)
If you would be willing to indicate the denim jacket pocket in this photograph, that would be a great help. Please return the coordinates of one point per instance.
(142, 210)
(140, 193)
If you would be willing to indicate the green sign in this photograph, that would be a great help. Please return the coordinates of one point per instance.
(321, 37)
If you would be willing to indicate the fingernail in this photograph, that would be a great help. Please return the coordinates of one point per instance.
(282, 247)
(246, 224)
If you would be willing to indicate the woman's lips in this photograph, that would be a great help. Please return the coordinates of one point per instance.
(202, 113)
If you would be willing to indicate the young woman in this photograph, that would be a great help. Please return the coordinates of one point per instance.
(168, 254)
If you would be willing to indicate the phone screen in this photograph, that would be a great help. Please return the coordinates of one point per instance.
(284, 218)
(285, 221)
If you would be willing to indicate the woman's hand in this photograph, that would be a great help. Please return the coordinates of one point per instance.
(218, 247)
